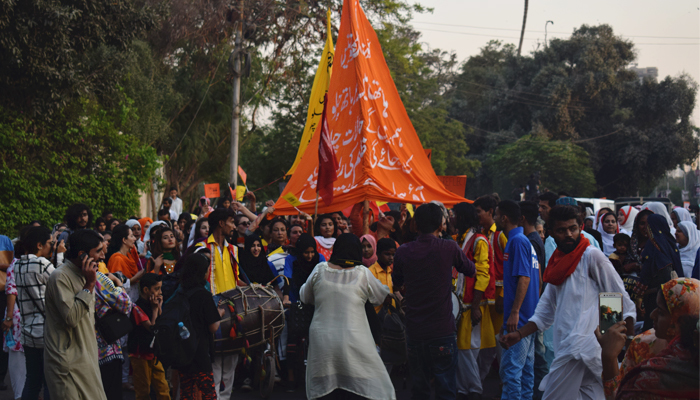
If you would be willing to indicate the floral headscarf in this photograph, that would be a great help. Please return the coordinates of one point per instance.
(682, 297)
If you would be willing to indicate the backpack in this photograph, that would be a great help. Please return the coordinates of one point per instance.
(168, 347)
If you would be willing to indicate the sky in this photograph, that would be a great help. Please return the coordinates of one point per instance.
(666, 33)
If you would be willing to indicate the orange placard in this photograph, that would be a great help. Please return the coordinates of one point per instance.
(211, 190)
(455, 184)
(379, 154)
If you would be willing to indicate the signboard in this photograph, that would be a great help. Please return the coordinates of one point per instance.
(455, 184)
(211, 190)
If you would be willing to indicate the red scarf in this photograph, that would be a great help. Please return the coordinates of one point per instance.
(561, 264)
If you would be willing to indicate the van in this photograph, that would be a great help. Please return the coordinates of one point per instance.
(595, 204)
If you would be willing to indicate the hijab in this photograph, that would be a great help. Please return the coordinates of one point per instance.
(347, 251)
(660, 209)
(629, 214)
(256, 268)
(634, 252)
(682, 214)
(368, 262)
(143, 221)
(689, 252)
(301, 269)
(608, 247)
(661, 250)
(147, 236)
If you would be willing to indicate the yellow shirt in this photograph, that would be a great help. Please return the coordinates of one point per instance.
(502, 241)
(384, 277)
(222, 278)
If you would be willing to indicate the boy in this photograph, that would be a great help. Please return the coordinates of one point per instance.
(147, 371)
(621, 242)
(382, 269)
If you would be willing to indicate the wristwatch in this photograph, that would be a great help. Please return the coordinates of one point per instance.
(87, 291)
(630, 337)
(8, 318)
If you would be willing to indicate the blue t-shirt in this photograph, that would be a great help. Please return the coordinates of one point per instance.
(520, 259)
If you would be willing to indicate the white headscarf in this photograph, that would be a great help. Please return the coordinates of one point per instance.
(629, 214)
(689, 252)
(130, 223)
(147, 236)
(660, 209)
(682, 214)
(139, 243)
(608, 243)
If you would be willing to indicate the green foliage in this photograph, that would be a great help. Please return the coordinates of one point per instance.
(46, 167)
(563, 165)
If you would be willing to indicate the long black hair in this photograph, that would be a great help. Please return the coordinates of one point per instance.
(72, 214)
(119, 233)
(465, 218)
(29, 238)
(317, 225)
(196, 265)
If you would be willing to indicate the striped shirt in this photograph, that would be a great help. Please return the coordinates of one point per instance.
(31, 276)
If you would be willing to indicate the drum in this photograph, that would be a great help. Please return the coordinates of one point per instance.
(253, 314)
(457, 307)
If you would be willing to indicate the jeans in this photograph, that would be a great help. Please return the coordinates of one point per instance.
(542, 362)
(433, 359)
(35, 374)
(517, 370)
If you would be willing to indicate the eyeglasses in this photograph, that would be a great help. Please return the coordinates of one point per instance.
(246, 223)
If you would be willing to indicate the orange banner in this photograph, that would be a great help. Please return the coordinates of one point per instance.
(211, 190)
(455, 184)
(379, 154)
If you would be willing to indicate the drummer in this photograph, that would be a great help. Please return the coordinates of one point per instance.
(223, 276)
(475, 329)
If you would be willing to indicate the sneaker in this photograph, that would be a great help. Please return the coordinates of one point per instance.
(247, 385)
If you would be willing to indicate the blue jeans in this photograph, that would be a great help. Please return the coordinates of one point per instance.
(34, 358)
(517, 370)
(433, 359)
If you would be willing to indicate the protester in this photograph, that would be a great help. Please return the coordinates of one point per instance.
(369, 250)
(475, 330)
(254, 263)
(122, 256)
(148, 372)
(608, 229)
(200, 232)
(32, 272)
(12, 326)
(680, 214)
(136, 230)
(176, 202)
(625, 219)
(660, 261)
(201, 374)
(294, 232)
(575, 275)
(384, 266)
(688, 238)
(550, 244)
(661, 209)
(424, 269)
(521, 289)
(324, 230)
(648, 370)
(164, 253)
(71, 359)
(145, 224)
(342, 355)
(301, 264)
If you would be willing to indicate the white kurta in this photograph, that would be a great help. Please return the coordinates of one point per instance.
(342, 353)
(572, 309)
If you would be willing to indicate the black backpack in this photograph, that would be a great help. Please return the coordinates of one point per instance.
(168, 346)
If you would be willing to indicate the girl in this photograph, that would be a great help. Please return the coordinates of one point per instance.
(165, 252)
(325, 229)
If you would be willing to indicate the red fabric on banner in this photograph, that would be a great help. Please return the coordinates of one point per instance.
(327, 163)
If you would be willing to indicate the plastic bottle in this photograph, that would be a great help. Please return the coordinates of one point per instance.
(184, 333)
(9, 339)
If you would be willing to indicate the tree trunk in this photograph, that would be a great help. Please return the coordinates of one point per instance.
(522, 31)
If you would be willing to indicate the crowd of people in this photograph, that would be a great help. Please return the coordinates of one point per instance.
(440, 295)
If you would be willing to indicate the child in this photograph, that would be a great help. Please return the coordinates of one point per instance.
(147, 371)
(382, 269)
(621, 242)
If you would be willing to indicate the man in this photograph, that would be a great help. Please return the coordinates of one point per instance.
(70, 354)
(78, 216)
(576, 274)
(167, 205)
(176, 202)
(383, 267)
(223, 276)
(547, 201)
(550, 245)
(543, 354)
(475, 331)
(485, 208)
(521, 291)
(164, 215)
(424, 268)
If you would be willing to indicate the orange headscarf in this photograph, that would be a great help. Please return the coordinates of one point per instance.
(128, 264)
(143, 221)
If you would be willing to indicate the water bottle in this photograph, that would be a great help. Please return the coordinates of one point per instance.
(9, 339)
(184, 333)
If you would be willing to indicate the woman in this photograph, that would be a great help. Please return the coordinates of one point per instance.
(136, 229)
(100, 225)
(339, 290)
(253, 262)
(145, 224)
(599, 216)
(122, 256)
(200, 232)
(369, 250)
(112, 224)
(650, 371)
(688, 238)
(277, 249)
(301, 262)
(205, 317)
(205, 207)
(680, 214)
(660, 209)
(661, 262)
(164, 252)
(638, 239)
(242, 224)
(608, 229)
(625, 219)
(17, 366)
(294, 232)
(325, 230)
(184, 224)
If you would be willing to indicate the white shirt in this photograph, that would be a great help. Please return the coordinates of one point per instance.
(572, 310)
(177, 205)
(173, 216)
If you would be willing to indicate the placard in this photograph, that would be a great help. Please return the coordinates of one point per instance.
(211, 190)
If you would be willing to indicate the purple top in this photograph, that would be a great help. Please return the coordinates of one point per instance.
(424, 267)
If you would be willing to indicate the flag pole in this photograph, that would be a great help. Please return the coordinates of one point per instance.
(315, 213)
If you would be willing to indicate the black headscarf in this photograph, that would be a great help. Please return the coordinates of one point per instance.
(301, 269)
(347, 251)
(256, 268)
(661, 250)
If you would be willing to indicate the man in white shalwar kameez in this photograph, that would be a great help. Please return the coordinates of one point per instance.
(576, 273)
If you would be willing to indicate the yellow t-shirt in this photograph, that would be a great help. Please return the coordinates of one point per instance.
(384, 277)
(224, 278)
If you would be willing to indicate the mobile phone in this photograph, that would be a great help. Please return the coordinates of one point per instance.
(610, 310)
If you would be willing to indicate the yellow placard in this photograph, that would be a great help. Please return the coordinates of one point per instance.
(240, 193)
(292, 199)
(409, 207)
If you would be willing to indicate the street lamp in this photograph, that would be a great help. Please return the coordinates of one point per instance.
(545, 31)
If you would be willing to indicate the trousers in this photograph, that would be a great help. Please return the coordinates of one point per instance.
(517, 370)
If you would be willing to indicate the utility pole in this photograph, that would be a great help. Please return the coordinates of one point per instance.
(522, 31)
(545, 31)
(236, 98)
